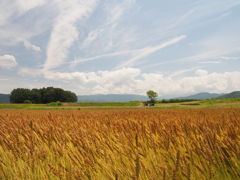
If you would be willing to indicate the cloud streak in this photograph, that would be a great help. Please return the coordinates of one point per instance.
(142, 53)
(64, 31)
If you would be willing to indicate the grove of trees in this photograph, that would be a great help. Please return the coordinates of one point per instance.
(43, 95)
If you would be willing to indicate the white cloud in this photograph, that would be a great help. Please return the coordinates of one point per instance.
(91, 37)
(201, 72)
(149, 50)
(209, 62)
(7, 61)
(100, 90)
(13, 16)
(209, 49)
(177, 73)
(118, 77)
(64, 31)
(29, 46)
(11, 8)
(116, 11)
(131, 80)
(204, 81)
(229, 58)
(100, 56)
(26, 5)
(23, 71)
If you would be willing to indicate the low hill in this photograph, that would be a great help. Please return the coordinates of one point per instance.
(234, 94)
(111, 98)
(203, 95)
(4, 98)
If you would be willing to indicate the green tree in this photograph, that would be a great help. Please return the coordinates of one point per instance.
(68, 96)
(43, 95)
(19, 95)
(58, 94)
(36, 96)
(152, 96)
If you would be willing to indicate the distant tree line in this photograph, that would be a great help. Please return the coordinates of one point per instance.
(43, 95)
(177, 100)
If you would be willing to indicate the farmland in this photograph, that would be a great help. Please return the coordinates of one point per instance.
(211, 103)
(120, 144)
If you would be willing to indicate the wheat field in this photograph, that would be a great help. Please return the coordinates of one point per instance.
(191, 144)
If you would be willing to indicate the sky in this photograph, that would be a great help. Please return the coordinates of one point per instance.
(121, 46)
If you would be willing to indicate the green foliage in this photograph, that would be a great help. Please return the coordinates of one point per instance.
(27, 102)
(212, 101)
(177, 100)
(43, 95)
(152, 96)
(132, 103)
(57, 103)
(19, 95)
(21, 106)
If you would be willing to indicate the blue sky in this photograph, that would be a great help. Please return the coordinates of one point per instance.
(121, 46)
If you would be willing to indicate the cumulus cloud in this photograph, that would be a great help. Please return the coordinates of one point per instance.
(132, 81)
(7, 61)
(201, 72)
(117, 77)
(100, 90)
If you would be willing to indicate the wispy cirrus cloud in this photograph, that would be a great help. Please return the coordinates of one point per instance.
(135, 54)
(209, 62)
(229, 58)
(64, 31)
(109, 34)
(142, 53)
(180, 72)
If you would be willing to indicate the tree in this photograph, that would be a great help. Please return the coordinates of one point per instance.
(43, 95)
(152, 96)
(19, 95)
(36, 96)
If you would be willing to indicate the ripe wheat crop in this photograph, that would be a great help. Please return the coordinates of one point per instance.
(165, 144)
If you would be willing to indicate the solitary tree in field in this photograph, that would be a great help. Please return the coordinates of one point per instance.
(152, 96)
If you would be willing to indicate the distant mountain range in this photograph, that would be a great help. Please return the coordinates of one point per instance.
(234, 94)
(112, 98)
(133, 97)
(4, 98)
(202, 95)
